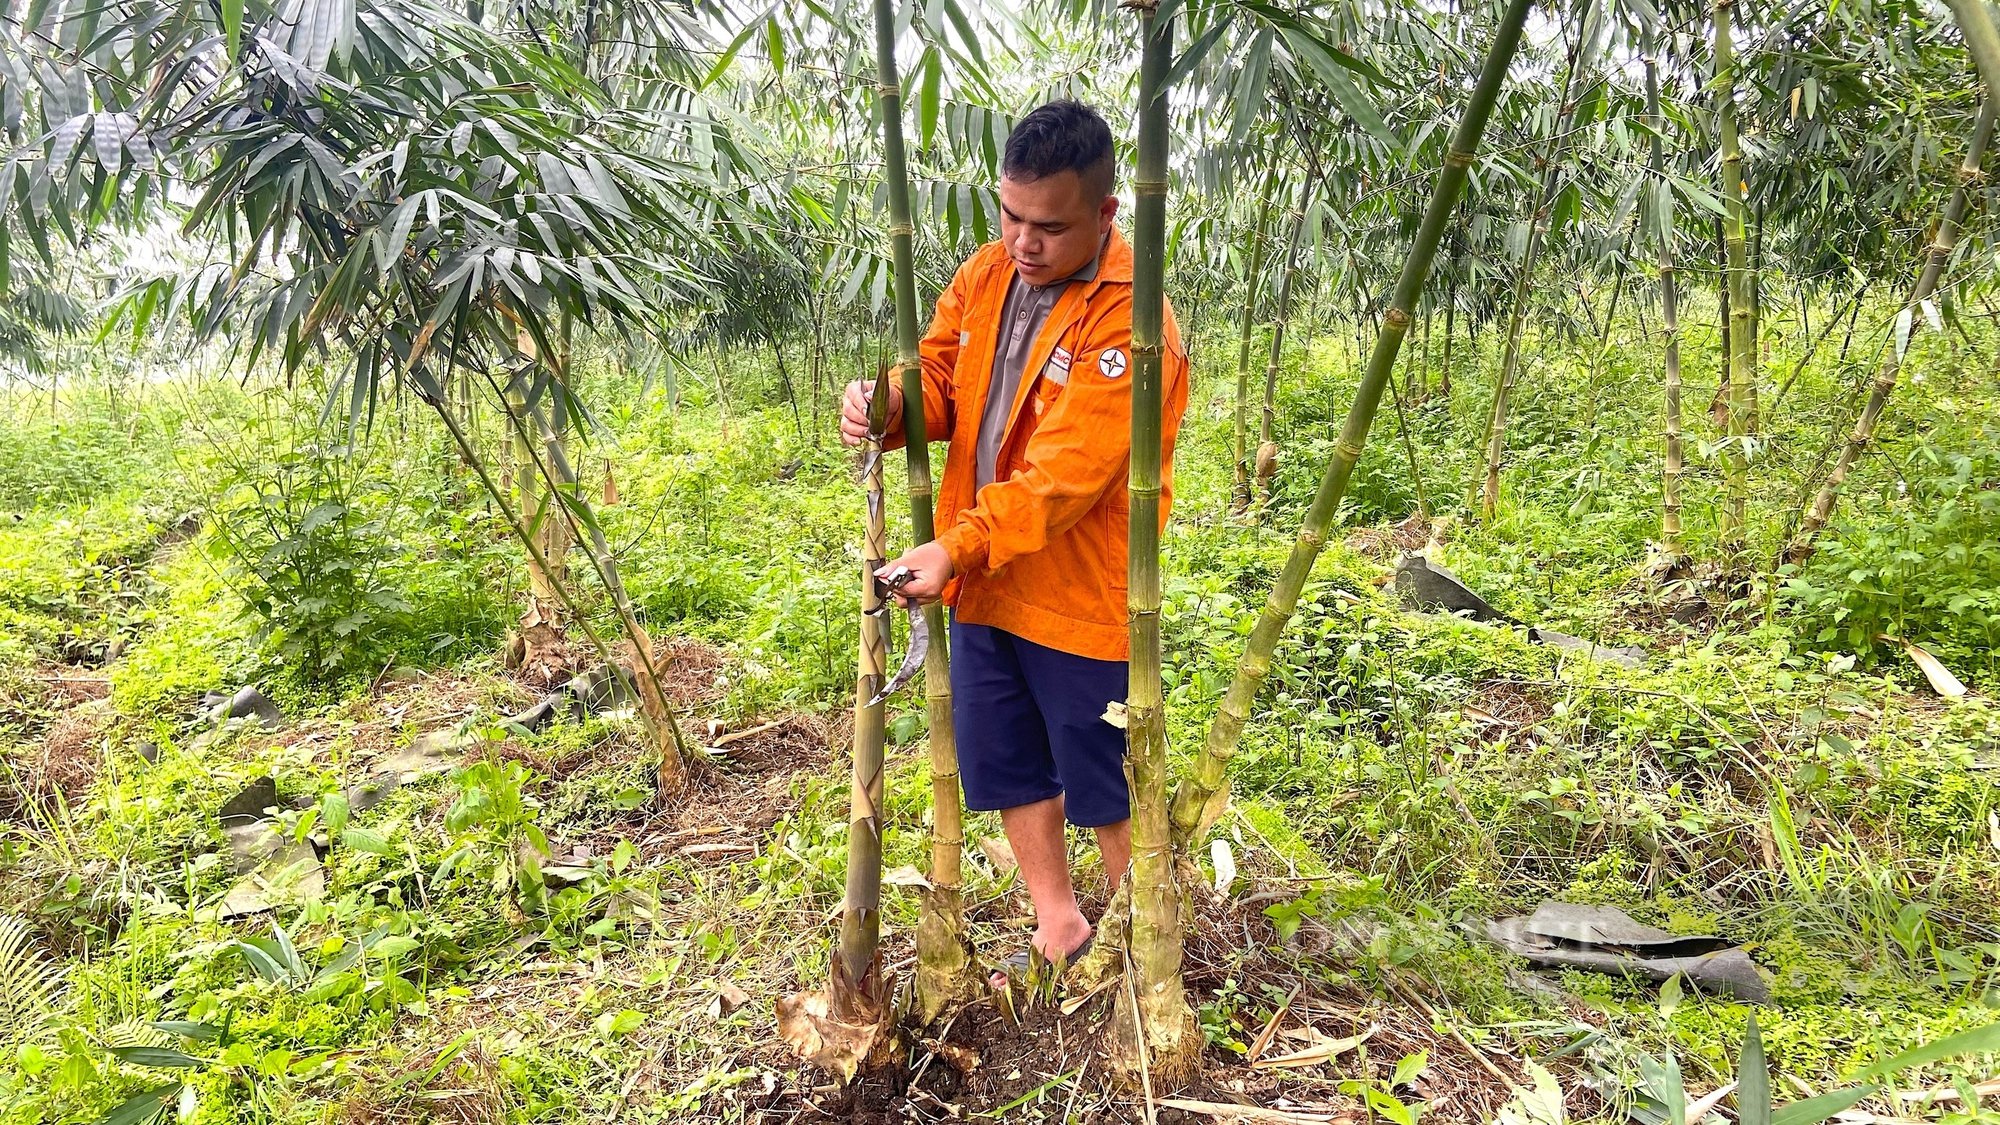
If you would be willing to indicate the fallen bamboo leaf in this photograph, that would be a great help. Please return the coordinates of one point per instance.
(717, 847)
(1263, 1040)
(1231, 1111)
(1940, 677)
(731, 996)
(717, 741)
(1070, 1005)
(998, 853)
(1322, 1050)
(1699, 1108)
(964, 1060)
(905, 876)
(1225, 865)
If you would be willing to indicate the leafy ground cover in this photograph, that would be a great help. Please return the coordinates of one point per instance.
(1771, 772)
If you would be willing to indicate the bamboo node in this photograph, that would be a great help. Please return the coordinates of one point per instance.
(889, 89)
(1457, 159)
(1349, 449)
(1396, 318)
(1149, 187)
(902, 230)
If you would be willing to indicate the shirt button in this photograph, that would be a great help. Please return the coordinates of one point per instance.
(1022, 316)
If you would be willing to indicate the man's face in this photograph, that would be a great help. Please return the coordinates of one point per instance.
(1052, 226)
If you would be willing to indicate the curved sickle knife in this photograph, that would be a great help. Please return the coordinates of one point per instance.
(886, 588)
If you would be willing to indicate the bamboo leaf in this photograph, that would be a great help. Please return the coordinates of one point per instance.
(1978, 1041)
(143, 1106)
(1812, 1111)
(142, 1055)
(1753, 1079)
(232, 26)
(1196, 51)
(927, 110)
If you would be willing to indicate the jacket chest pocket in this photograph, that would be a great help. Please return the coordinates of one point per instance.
(1043, 400)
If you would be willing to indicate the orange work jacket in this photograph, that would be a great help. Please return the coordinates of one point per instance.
(1041, 551)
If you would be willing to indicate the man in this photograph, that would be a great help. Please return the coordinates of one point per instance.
(1026, 372)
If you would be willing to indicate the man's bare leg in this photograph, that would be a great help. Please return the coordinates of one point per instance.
(1035, 832)
(1114, 842)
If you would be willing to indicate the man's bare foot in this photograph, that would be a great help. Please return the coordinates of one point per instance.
(1057, 941)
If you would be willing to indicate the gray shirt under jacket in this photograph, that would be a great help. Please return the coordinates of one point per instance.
(1021, 319)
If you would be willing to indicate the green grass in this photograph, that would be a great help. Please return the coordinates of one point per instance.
(1765, 778)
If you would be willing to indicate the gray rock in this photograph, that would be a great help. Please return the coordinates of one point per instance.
(1431, 586)
(1631, 656)
(598, 690)
(1604, 939)
(248, 702)
(538, 716)
(366, 794)
(271, 867)
(291, 874)
(432, 752)
(256, 801)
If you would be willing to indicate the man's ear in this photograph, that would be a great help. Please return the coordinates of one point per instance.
(1107, 211)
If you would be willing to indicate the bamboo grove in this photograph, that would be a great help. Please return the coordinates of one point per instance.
(1408, 174)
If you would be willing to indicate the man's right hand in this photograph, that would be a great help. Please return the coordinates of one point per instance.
(854, 411)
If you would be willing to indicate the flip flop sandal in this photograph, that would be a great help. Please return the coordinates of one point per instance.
(1018, 963)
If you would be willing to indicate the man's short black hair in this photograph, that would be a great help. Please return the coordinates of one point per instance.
(1064, 136)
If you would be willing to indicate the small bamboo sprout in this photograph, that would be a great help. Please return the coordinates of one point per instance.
(1203, 795)
(1937, 257)
(849, 1026)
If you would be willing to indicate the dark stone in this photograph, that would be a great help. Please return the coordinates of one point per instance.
(252, 803)
(248, 702)
(1432, 586)
(538, 716)
(149, 750)
(600, 689)
(1603, 939)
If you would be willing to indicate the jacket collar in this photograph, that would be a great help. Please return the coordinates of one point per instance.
(1114, 263)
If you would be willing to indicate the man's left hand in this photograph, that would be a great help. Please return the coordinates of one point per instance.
(929, 567)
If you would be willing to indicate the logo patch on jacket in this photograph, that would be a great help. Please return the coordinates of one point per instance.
(1112, 363)
(964, 338)
(1057, 371)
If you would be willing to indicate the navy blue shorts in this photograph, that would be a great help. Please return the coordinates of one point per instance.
(1030, 726)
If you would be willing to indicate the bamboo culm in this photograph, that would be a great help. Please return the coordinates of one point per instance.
(1202, 797)
(1937, 256)
(1670, 324)
(944, 959)
(1281, 315)
(1510, 361)
(1982, 39)
(1240, 489)
(1153, 1030)
(1742, 348)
